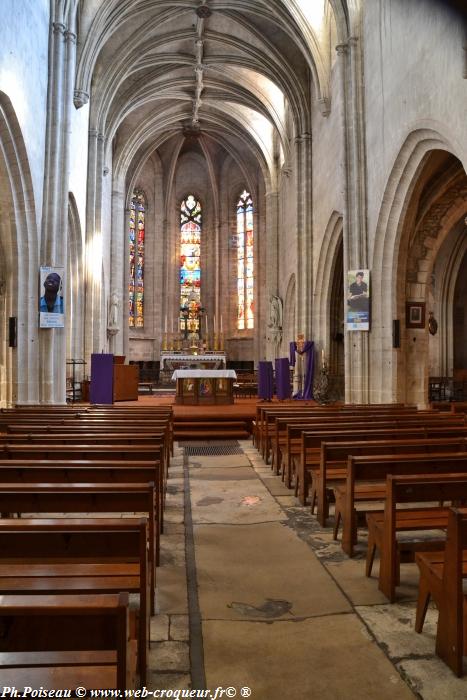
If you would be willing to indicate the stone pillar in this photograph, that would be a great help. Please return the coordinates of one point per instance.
(354, 222)
(271, 276)
(303, 146)
(52, 342)
(94, 325)
(119, 271)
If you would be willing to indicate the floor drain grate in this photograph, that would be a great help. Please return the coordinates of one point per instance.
(206, 449)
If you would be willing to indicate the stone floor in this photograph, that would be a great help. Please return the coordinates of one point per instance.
(253, 594)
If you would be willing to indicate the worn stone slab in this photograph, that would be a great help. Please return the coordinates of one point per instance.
(159, 628)
(242, 569)
(275, 486)
(179, 628)
(169, 656)
(219, 474)
(224, 502)
(167, 681)
(222, 461)
(330, 658)
(171, 593)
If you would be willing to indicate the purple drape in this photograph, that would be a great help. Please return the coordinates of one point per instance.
(309, 350)
(265, 381)
(102, 377)
(283, 389)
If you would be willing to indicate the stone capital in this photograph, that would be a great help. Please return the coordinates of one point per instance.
(58, 28)
(80, 98)
(342, 49)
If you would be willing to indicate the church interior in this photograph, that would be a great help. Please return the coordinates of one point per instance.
(233, 348)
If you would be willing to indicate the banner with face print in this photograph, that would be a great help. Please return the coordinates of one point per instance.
(358, 300)
(51, 297)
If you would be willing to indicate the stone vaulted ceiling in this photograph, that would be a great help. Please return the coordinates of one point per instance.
(235, 72)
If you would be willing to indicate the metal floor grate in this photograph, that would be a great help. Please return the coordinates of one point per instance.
(200, 449)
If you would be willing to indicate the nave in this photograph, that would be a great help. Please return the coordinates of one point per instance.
(283, 610)
(194, 567)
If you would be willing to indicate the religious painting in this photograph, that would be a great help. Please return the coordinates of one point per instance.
(188, 387)
(205, 388)
(415, 314)
(51, 297)
(358, 300)
(222, 386)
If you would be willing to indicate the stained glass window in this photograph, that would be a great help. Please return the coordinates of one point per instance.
(190, 267)
(245, 260)
(136, 253)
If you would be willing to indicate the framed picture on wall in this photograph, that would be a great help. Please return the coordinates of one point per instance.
(415, 314)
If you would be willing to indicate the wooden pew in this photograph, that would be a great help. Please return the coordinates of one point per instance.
(334, 455)
(442, 576)
(366, 481)
(70, 556)
(88, 498)
(384, 526)
(281, 440)
(62, 642)
(94, 452)
(308, 461)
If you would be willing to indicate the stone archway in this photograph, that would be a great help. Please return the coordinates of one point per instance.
(19, 273)
(434, 215)
(417, 180)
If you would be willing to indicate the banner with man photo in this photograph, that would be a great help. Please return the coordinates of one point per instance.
(358, 300)
(51, 298)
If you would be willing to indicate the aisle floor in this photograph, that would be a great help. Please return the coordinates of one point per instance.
(253, 594)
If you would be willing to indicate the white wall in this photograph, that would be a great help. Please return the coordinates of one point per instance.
(24, 44)
(413, 68)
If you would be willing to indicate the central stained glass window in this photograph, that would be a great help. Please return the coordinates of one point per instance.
(190, 266)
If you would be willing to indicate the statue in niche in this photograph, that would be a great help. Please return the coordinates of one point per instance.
(275, 322)
(112, 324)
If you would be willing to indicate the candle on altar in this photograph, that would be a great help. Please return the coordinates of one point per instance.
(322, 357)
(214, 324)
(206, 326)
(221, 323)
(165, 327)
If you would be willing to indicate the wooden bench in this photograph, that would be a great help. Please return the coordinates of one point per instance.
(307, 462)
(441, 577)
(88, 498)
(384, 527)
(366, 482)
(289, 443)
(70, 556)
(63, 642)
(334, 455)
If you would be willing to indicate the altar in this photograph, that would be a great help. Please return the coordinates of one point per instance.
(182, 360)
(197, 387)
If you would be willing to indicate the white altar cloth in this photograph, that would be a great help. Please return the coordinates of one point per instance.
(204, 374)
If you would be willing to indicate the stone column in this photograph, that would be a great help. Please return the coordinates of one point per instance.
(94, 324)
(354, 221)
(119, 268)
(303, 148)
(271, 272)
(52, 342)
